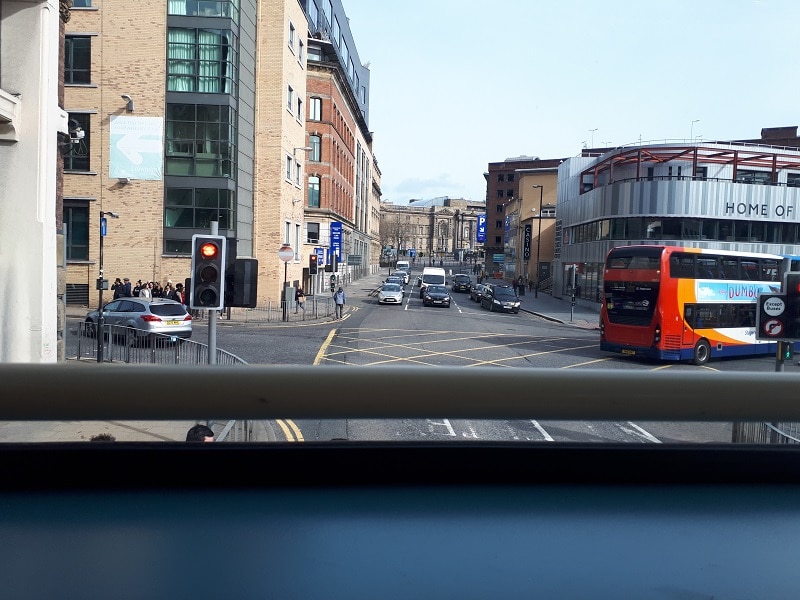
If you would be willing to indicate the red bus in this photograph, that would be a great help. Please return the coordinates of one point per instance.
(674, 303)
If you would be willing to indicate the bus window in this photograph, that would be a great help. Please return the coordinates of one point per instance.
(730, 267)
(707, 267)
(749, 269)
(769, 269)
(681, 265)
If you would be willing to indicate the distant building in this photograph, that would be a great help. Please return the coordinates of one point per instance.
(436, 228)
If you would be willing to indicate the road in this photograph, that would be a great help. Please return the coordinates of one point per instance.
(466, 336)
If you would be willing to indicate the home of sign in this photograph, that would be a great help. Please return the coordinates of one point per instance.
(757, 210)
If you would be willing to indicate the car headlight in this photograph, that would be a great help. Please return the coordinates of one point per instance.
(496, 301)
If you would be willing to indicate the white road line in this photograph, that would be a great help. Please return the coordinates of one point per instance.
(541, 430)
(639, 431)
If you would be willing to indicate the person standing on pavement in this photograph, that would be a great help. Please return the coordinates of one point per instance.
(300, 300)
(339, 299)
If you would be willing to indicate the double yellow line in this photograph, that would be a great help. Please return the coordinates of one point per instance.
(290, 429)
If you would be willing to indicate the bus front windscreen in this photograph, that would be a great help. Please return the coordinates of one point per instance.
(630, 302)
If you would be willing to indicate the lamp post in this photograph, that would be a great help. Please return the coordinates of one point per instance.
(101, 282)
(285, 254)
(539, 241)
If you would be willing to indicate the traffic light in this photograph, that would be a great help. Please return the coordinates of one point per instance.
(312, 263)
(208, 272)
(333, 283)
(792, 292)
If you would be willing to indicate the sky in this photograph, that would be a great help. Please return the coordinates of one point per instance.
(457, 85)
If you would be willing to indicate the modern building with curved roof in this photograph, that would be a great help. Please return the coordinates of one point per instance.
(741, 196)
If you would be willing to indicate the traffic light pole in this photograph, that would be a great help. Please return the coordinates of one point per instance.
(212, 316)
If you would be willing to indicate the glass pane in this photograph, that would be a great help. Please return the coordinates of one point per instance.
(178, 217)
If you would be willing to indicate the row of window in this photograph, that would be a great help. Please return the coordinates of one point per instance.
(203, 8)
(684, 228)
(709, 266)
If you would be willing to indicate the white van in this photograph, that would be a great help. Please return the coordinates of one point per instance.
(431, 276)
(403, 265)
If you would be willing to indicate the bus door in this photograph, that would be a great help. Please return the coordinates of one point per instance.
(689, 337)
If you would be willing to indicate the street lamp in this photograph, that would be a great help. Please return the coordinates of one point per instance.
(285, 254)
(691, 129)
(101, 283)
(539, 242)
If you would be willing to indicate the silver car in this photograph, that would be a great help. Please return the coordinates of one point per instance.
(390, 293)
(145, 316)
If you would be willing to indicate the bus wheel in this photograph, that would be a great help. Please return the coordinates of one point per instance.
(702, 353)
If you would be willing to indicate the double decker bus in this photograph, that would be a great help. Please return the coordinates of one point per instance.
(675, 303)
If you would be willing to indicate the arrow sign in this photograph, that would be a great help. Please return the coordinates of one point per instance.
(136, 147)
(773, 328)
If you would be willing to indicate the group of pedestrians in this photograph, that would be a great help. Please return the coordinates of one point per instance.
(148, 289)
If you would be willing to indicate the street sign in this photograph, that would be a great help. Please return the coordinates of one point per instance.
(526, 244)
(336, 238)
(480, 234)
(771, 317)
(354, 260)
(320, 252)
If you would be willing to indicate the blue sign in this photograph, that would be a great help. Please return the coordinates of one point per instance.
(336, 238)
(412, 252)
(103, 226)
(481, 233)
(320, 252)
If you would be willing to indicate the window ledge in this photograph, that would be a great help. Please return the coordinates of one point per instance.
(10, 107)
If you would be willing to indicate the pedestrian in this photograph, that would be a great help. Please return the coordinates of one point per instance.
(177, 293)
(339, 300)
(126, 288)
(117, 287)
(146, 291)
(300, 300)
(200, 433)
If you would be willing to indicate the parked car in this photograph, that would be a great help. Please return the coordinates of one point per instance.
(145, 316)
(476, 292)
(390, 293)
(436, 295)
(461, 282)
(501, 298)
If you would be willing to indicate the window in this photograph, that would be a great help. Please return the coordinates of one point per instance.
(498, 224)
(201, 60)
(290, 98)
(291, 36)
(499, 208)
(205, 8)
(81, 3)
(77, 59)
(199, 140)
(312, 233)
(336, 31)
(288, 168)
(315, 109)
(78, 157)
(510, 177)
(195, 208)
(299, 110)
(287, 231)
(500, 177)
(793, 179)
(313, 191)
(76, 219)
(760, 177)
(297, 231)
(313, 13)
(498, 240)
(301, 52)
(315, 142)
(509, 193)
(499, 193)
(297, 170)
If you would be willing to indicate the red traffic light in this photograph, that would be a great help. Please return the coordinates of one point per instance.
(209, 250)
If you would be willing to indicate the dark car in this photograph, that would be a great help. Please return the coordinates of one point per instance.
(500, 298)
(436, 295)
(461, 283)
(476, 292)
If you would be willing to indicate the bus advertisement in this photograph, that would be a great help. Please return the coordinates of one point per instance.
(685, 304)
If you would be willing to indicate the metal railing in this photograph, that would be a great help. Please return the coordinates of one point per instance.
(765, 433)
(126, 345)
(316, 307)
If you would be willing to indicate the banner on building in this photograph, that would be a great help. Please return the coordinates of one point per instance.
(480, 234)
(526, 242)
(137, 148)
(336, 238)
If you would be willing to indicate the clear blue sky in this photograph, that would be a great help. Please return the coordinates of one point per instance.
(457, 85)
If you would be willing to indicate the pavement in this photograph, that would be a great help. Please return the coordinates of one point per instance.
(358, 292)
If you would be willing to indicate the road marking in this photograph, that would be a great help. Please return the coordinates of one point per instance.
(639, 432)
(588, 362)
(290, 430)
(321, 353)
(541, 430)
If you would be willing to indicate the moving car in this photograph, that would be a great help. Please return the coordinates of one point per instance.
(476, 292)
(395, 279)
(391, 293)
(146, 316)
(501, 298)
(404, 274)
(461, 283)
(436, 295)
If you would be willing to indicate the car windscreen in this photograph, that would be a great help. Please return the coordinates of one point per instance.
(168, 310)
(436, 289)
(504, 293)
(391, 287)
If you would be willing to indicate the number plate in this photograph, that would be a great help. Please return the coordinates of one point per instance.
(172, 322)
(630, 352)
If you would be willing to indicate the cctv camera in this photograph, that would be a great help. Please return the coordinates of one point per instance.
(126, 97)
